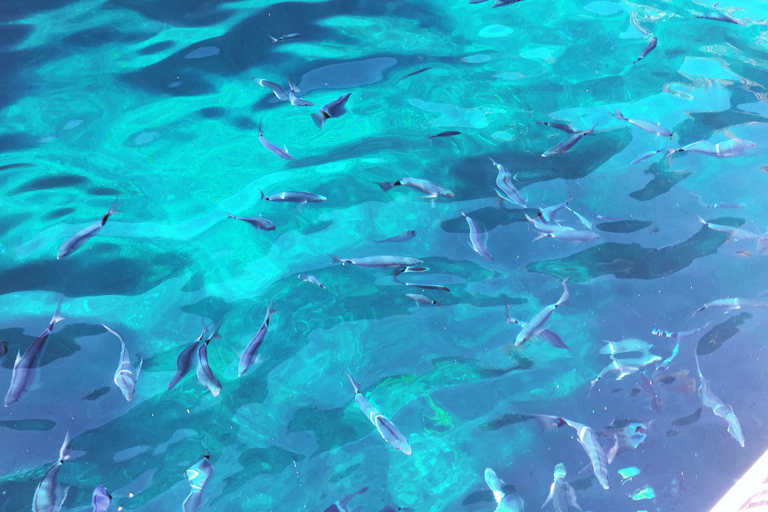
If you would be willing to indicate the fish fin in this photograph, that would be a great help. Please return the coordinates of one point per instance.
(319, 119)
(385, 186)
(551, 495)
(274, 39)
(539, 237)
(18, 358)
(336, 259)
(355, 385)
(270, 311)
(215, 332)
(114, 333)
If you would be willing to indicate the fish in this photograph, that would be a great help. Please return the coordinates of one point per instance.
(449, 133)
(717, 205)
(386, 428)
(568, 143)
(3, 347)
(293, 197)
(415, 72)
(198, 476)
(378, 261)
(124, 377)
(647, 386)
(101, 499)
(680, 334)
(649, 154)
(341, 505)
(644, 125)
(25, 366)
(282, 95)
(421, 299)
(545, 227)
(432, 190)
(548, 214)
(204, 373)
(284, 37)
(547, 335)
(709, 399)
(475, 240)
(309, 278)
(336, 108)
(585, 222)
(570, 235)
(249, 354)
(74, 242)
(282, 153)
(505, 502)
(257, 222)
(561, 493)
(184, 361)
(725, 149)
(645, 51)
(505, 189)
(48, 496)
(720, 16)
(402, 237)
(731, 304)
(538, 321)
(275, 88)
(293, 90)
(626, 345)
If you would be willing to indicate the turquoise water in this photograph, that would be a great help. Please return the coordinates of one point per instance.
(154, 103)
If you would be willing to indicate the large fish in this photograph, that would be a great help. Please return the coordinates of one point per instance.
(101, 499)
(24, 367)
(48, 495)
(204, 373)
(643, 125)
(198, 476)
(378, 261)
(336, 108)
(725, 149)
(282, 153)
(568, 143)
(82, 236)
(588, 440)
(561, 493)
(124, 377)
(293, 197)
(184, 361)
(430, 189)
(504, 502)
(386, 428)
(709, 399)
(475, 238)
(505, 189)
(249, 354)
(536, 323)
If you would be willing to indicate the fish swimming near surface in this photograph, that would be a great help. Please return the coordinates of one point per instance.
(645, 51)
(449, 133)
(198, 476)
(282, 153)
(48, 496)
(249, 354)
(725, 149)
(285, 37)
(547, 335)
(568, 143)
(432, 190)
(259, 223)
(204, 373)
(709, 399)
(731, 304)
(537, 322)
(421, 299)
(559, 126)
(505, 502)
(475, 240)
(341, 505)
(25, 366)
(505, 189)
(293, 197)
(283, 95)
(78, 239)
(336, 108)
(415, 72)
(644, 125)
(124, 377)
(378, 261)
(184, 361)
(561, 493)
(386, 428)
(309, 278)
(101, 499)
(402, 237)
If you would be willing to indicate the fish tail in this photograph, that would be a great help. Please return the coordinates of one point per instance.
(260, 132)
(319, 119)
(270, 311)
(352, 381)
(230, 216)
(385, 186)
(263, 197)
(618, 115)
(336, 259)
(57, 316)
(591, 131)
(274, 39)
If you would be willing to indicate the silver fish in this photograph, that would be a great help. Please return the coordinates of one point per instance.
(275, 88)
(680, 334)
(649, 154)
(720, 16)
(24, 367)
(587, 224)
(402, 237)
(624, 346)
(124, 377)
(82, 236)
(204, 373)
(709, 399)
(432, 190)
(725, 149)
(386, 428)
(249, 354)
(294, 197)
(421, 299)
(589, 441)
(336, 108)
(282, 153)
(558, 126)
(257, 222)
(645, 51)
(198, 476)
(309, 278)
(284, 37)
(568, 143)
(341, 505)
(184, 361)
(548, 214)
(570, 235)
(537, 322)
(545, 227)
(505, 188)
(378, 261)
(505, 502)
(731, 304)
(101, 499)
(48, 496)
(644, 125)
(547, 335)
(475, 239)
(561, 493)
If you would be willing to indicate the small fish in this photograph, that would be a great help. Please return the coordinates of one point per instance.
(198, 476)
(505, 189)
(505, 502)
(421, 299)
(308, 278)
(424, 286)
(184, 361)
(257, 222)
(720, 16)
(644, 125)
(341, 505)
(282, 153)
(48, 496)
(249, 354)
(432, 190)
(584, 221)
(378, 261)
(731, 304)
(124, 377)
(648, 49)
(386, 428)
(664, 366)
(568, 143)
(561, 494)
(548, 214)
(627, 435)
(336, 108)
(294, 197)
(24, 367)
(570, 235)
(3, 348)
(729, 148)
(680, 334)
(402, 237)
(475, 240)
(449, 133)
(649, 154)
(101, 499)
(82, 236)
(558, 126)
(545, 227)
(293, 90)
(709, 399)
(647, 386)
(537, 322)
(547, 335)
(284, 37)
(204, 373)
(717, 205)
(415, 72)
